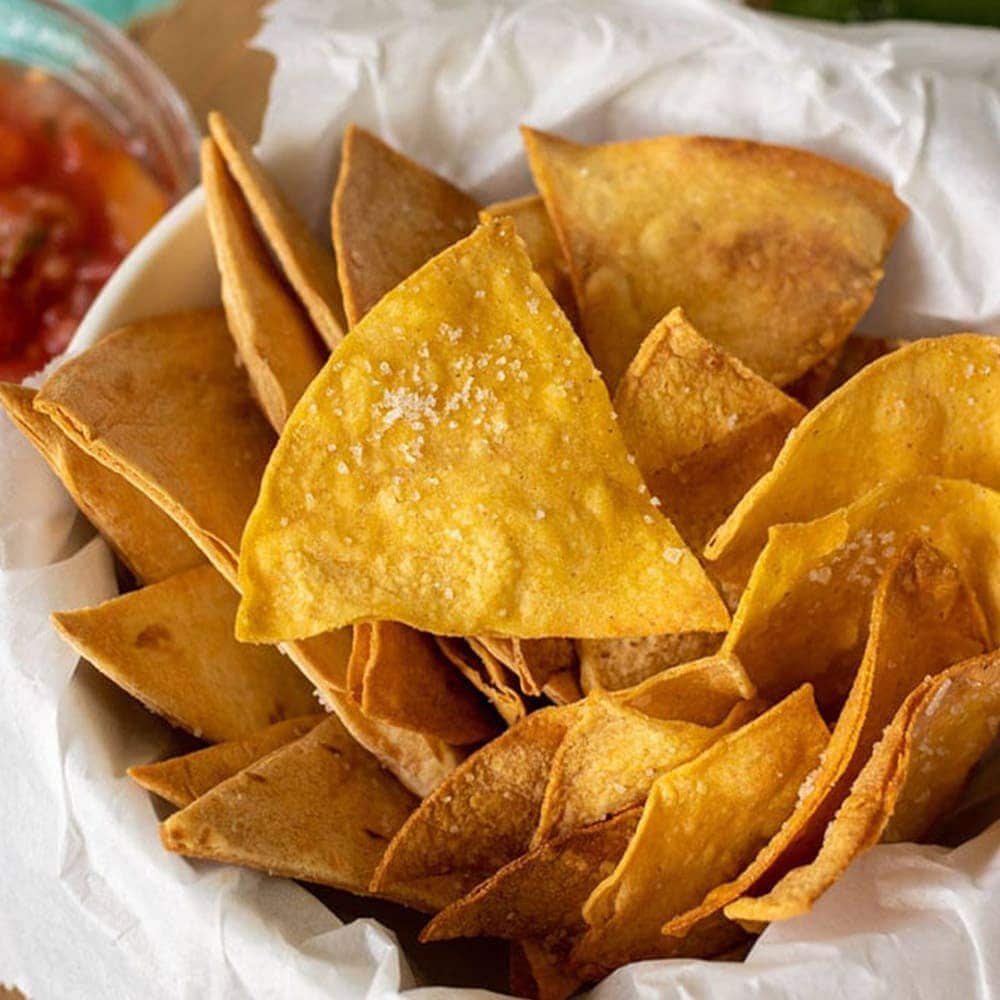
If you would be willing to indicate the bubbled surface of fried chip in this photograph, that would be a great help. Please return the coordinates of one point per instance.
(702, 823)
(614, 664)
(375, 503)
(181, 780)
(912, 777)
(702, 426)
(320, 809)
(309, 267)
(145, 539)
(930, 408)
(773, 252)
(804, 615)
(171, 646)
(275, 339)
(389, 216)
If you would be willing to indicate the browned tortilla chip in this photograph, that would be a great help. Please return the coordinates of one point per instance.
(487, 675)
(611, 756)
(163, 403)
(171, 646)
(320, 809)
(145, 539)
(834, 370)
(389, 216)
(913, 776)
(614, 664)
(813, 385)
(274, 337)
(539, 969)
(773, 252)
(361, 647)
(181, 780)
(703, 427)
(533, 226)
(409, 682)
(923, 620)
(533, 660)
(310, 268)
(703, 821)
(563, 688)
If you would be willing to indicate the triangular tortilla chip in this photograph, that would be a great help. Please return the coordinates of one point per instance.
(171, 646)
(534, 661)
(389, 217)
(181, 780)
(310, 268)
(533, 226)
(804, 615)
(611, 756)
(938, 406)
(923, 621)
(320, 809)
(144, 538)
(409, 682)
(703, 427)
(487, 675)
(163, 403)
(375, 504)
(614, 664)
(773, 252)
(913, 776)
(563, 688)
(273, 335)
(703, 821)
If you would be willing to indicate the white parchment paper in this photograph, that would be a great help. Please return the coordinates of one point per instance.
(90, 905)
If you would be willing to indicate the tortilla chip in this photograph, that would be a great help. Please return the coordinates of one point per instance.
(171, 646)
(912, 777)
(143, 537)
(420, 762)
(611, 756)
(389, 217)
(310, 268)
(407, 681)
(361, 648)
(542, 891)
(923, 621)
(320, 809)
(534, 661)
(539, 970)
(273, 335)
(563, 688)
(703, 822)
(773, 252)
(181, 780)
(615, 664)
(804, 615)
(815, 384)
(938, 406)
(484, 814)
(835, 369)
(531, 221)
(375, 504)
(163, 403)
(702, 692)
(487, 675)
(703, 427)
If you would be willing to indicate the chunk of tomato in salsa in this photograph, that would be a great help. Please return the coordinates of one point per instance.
(73, 202)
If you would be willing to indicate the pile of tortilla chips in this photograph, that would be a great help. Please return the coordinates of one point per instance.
(639, 593)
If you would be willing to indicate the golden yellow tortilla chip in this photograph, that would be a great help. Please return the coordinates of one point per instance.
(320, 809)
(703, 427)
(389, 217)
(703, 822)
(611, 756)
(615, 664)
(171, 646)
(409, 682)
(534, 661)
(375, 503)
(937, 404)
(563, 688)
(533, 226)
(773, 252)
(912, 777)
(144, 538)
(181, 780)
(923, 620)
(487, 675)
(163, 403)
(804, 615)
(274, 337)
(310, 268)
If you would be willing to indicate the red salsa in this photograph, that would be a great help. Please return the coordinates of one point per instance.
(74, 199)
